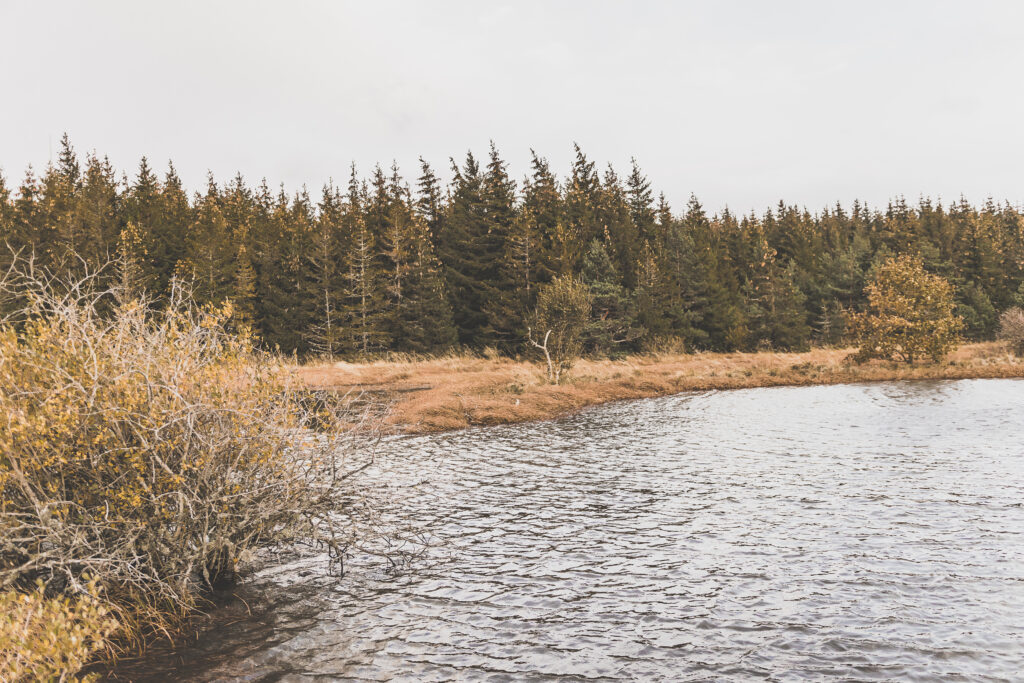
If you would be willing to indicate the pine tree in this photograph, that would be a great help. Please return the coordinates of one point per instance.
(131, 263)
(976, 310)
(611, 328)
(208, 250)
(424, 316)
(429, 200)
(506, 319)
(618, 228)
(326, 337)
(30, 232)
(776, 316)
(165, 239)
(652, 295)
(397, 244)
(465, 250)
(277, 294)
(722, 319)
(97, 214)
(684, 288)
(237, 208)
(243, 294)
(299, 240)
(9, 241)
(61, 186)
(142, 209)
(582, 198)
(366, 315)
(641, 203)
(541, 217)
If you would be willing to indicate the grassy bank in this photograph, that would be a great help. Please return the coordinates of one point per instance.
(453, 392)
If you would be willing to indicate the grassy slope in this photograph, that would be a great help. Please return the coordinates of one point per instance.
(458, 391)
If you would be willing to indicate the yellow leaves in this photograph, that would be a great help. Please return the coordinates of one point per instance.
(909, 316)
(45, 638)
(151, 426)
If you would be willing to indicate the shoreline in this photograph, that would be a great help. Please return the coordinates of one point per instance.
(456, 392)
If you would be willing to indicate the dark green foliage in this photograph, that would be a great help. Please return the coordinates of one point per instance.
(506, 317)
(466, 253)
(424, 316)
(611, 330)
(980, 316)
(381, 267)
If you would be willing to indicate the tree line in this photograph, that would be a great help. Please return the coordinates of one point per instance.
(382, 263)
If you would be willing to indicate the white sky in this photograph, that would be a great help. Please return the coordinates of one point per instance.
(742, 103)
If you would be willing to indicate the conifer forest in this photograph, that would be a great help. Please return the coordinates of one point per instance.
(443, 258)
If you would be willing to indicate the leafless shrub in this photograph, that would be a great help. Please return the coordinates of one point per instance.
(1011, 329)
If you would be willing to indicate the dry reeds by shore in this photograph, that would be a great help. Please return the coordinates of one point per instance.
(453, 392)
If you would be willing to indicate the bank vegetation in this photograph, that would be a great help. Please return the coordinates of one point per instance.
(458, 391)
(145, 456)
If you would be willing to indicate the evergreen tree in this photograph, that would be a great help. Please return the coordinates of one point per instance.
(541, 218)
(326, 337)
(611, 329)
(976, 309)
(97, 214)
(722, 319)
(366, 315)
(30, 232)
(430, 201)
(243, 294)
(582, 199)
(641, 203)
(166, 237)
(776, 316)
(277, 296)
(424, 318)
(8, 237)
(619, 230)
(466, 251)
(506, 319)
(131, 262)
(142, 210)
(65, 243)
(208, 249)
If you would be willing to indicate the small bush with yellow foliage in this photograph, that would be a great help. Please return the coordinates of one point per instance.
(51, 638)
(151, 450)
(909, 314)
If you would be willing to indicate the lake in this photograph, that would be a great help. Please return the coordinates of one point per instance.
(867, 532)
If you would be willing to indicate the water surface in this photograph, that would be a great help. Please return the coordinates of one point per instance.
(864, 532)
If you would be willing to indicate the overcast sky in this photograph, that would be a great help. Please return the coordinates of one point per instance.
(742, 103)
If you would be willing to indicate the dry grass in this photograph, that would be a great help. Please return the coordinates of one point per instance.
(448, 393)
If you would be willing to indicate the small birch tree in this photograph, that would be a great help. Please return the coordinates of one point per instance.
(563, 312)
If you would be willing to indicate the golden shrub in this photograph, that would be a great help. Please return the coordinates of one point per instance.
(150, 449)
(909, 315)
(43, 639)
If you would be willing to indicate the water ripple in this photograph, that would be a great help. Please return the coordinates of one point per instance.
(864, 532)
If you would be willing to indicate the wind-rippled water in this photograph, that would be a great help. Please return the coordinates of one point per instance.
(856, 532)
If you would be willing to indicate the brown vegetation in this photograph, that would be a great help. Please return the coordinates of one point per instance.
(1011, 329)
(453, 392)
(144, 454)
